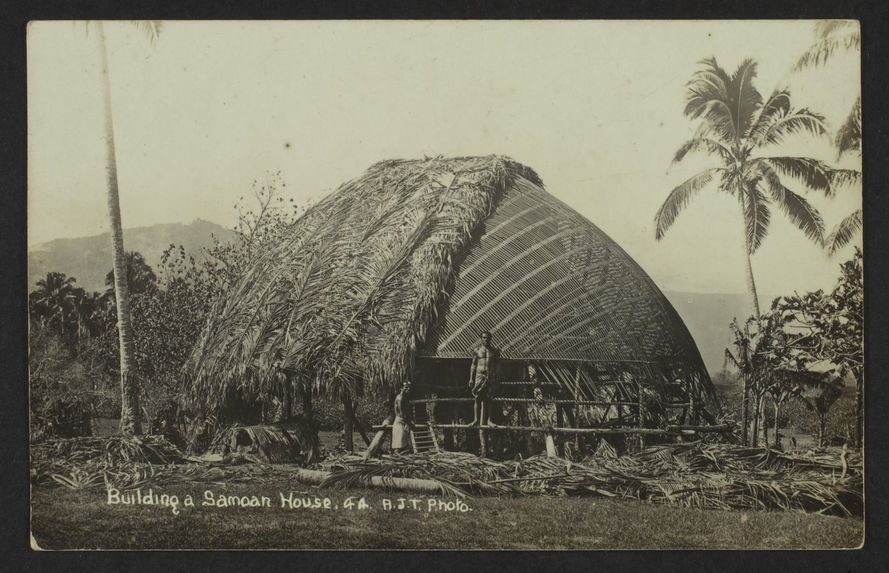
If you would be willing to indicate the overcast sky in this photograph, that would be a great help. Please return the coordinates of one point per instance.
(594, 107)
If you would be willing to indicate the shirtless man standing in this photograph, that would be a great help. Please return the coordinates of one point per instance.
(481, 379)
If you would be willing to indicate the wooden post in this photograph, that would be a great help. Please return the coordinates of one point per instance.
(483, 442)
(347, 423)
(309, 416)
(359, 428)
(375, 444)
(575, 422)
(550, 445)
(641, 408)
(287, 402)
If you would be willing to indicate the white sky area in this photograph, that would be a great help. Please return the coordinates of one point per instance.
(594, 107)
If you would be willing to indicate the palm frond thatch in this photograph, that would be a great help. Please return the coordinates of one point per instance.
(304, 309)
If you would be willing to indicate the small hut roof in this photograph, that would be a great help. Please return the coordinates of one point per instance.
(417, 257)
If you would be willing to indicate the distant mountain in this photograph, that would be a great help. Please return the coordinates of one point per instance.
(707, 316)
(88, 259)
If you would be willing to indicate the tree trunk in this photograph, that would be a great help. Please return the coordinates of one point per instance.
(751, 284)
(822, 418)
(347, 423)
(745, 408)
(756, 407)
(129, 387)
(764, 421)
(777, 412)
(859, 406)
(309, 417)
(287, 402)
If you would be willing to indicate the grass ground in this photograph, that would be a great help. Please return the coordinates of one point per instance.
(82, 519)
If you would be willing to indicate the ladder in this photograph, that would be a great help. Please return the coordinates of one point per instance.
(423, 437)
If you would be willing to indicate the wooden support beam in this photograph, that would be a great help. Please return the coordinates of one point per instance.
(670, 430)
(375, 444)
(528, 401)
(483, 442)
(550, 446)
(359, 428)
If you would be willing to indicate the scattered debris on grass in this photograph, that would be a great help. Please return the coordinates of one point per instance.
(703, 475)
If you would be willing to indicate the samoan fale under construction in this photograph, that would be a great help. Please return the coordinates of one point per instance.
(393, 276)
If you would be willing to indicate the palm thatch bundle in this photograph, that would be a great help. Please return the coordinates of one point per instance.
(89, 461)
(407, 263)
(349, 295)
(706, 476)
(273, 444)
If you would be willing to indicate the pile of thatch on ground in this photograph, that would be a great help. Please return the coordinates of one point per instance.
(128, 463)
(712, 476)
(272, 444)
(90, 461)
(709, 476)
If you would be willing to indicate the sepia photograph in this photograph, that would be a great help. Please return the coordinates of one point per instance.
(445, 285)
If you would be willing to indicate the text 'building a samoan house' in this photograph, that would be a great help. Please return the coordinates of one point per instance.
(393, 276)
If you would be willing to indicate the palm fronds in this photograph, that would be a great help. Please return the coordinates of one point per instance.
(799, 211)
(708, 98)
(831, 36)
(813, 173)
(709, 476)
(840, 236)
(678, 198)
(848, 136)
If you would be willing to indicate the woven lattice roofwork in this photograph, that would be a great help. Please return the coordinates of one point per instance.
(551, 285)
(414, 258)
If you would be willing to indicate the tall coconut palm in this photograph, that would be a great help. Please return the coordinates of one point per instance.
(831, 37)
(129, 388)
(737, 127)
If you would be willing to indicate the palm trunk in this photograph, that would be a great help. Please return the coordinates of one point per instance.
(859, 406)
(347, 423)
(764, 421)
(309, 416)
(751, 284)
(129, 388)
(751, 289)
(777, 412)
(755, 421)
(745, 407)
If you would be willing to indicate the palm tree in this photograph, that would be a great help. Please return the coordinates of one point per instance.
(129, 388)
(736, 126)
(53, 299)
(140, 276)
(831, 36)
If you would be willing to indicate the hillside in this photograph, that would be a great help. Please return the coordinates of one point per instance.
(88, 259)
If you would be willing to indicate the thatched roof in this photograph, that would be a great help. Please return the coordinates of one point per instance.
(413, 258)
